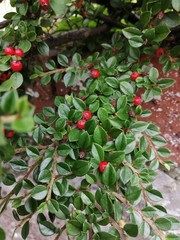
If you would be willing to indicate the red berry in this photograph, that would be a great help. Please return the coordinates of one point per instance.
(83, 98)
(80, 4)
(44, 4)
(134, 75)
(160, 15)
(74, 3)
(3, 77)
(102, 166)
(160, 52)
(84, 14)
(81, 123)
(9, 50)
(137, 101)
(95, 73)
(87, 115)
(18, 52)
(82, 154)
(9, 134)
(113, 102)
(16, 65)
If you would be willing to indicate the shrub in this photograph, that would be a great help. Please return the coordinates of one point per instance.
(90, 160)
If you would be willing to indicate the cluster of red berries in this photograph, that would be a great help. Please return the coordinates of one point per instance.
(85, 116)
(44, 4)
(80, 6)
(16, 64)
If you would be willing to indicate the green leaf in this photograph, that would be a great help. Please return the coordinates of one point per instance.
(139, 126)
(25, 230)
(80, 167)
(46, 79)
(43, 48)
(73, 228)
(76, 59)
(46, 228)
(62, 60)
(153, 74)
(17, 80)
(176, 5)
(74, 135)
(161, 32)
(133, 193)
(2, 234)
(131, 229)
(25, 45)
(64, 149)
(45, 176)
(97, 152)
(4, 67)
(163, 224)
(165, 82)
(102, 114)
(69, 78)
(100, 135)
(7, 102)
(144, 19)
(87, 198)
(63, 110)
(105, 236)
(39, 192)
(152, 130)
(145, 229)
(173, 237)
(136, 41)
(109, 175)
(129, 32)
(53, 206)
(158, 141)
(125, 174)
(126, 88)
(30, 205)
(32, 152)
(18, 165)
(84, 140)
(164, 152)
(59, 7)
(116, 157)
(24, 124)
(79, 104)
(121, 141)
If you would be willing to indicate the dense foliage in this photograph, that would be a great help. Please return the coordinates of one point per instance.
(89, 161)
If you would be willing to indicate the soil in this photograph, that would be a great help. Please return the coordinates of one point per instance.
(165, 110)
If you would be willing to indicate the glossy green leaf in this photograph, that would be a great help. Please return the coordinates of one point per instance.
(100, 135)
(80, 167)
(39, 192)
(109, 175)
(163, 224)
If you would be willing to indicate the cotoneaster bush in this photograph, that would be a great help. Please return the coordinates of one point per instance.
(89, 161)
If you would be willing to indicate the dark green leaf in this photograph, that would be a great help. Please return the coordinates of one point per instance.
(80, 168)
(163, 224)
(131, 229)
